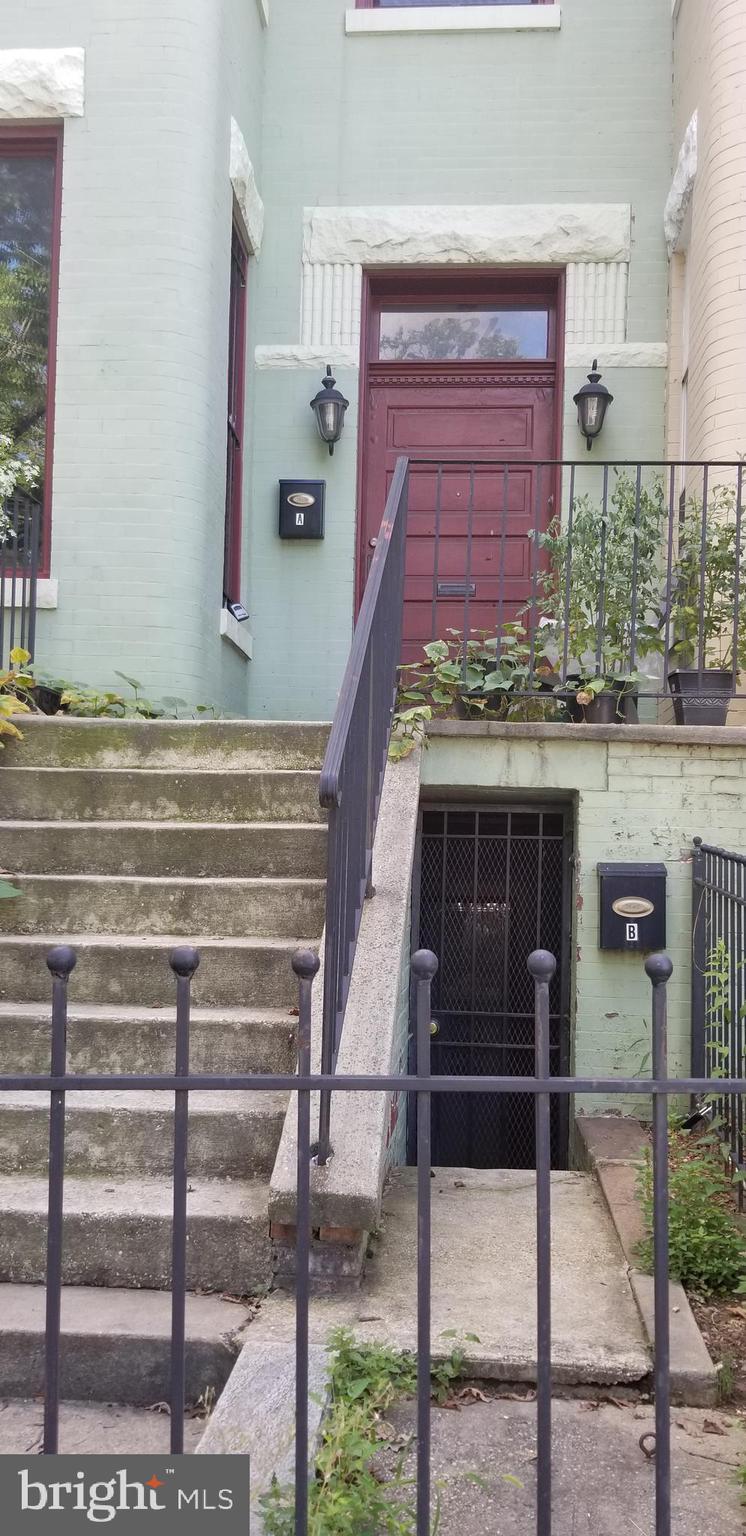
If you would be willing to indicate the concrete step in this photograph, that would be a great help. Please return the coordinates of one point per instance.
(108, 1038)
(232, 1135)
(233, 973)
(158, 794)
(117, 1231)
(229, 744)
(107, 904)
(191, 849)
(116, 1343)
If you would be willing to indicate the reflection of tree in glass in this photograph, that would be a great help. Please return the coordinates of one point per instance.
(451, 336)
(26, 200)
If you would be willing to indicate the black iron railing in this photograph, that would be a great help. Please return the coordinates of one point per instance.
(557, 581)
(719, 986)
(20, 519)
(421, 1085)
(354, 766)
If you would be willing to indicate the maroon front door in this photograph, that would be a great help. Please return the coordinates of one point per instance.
(476, 429)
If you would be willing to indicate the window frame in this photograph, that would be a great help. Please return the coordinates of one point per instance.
(235, 414)
(27, 142)
(375, 5)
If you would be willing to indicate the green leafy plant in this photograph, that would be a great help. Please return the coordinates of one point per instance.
(14, 686)
(709, 569)
(706, 1245)
(593, 564)
(346, 1497)
(478, 678)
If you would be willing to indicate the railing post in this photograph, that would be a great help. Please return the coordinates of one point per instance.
(699, 963)
(542, 967)
(183, 962)
(424, 967)
(659, 969)
(61, 963)
(306, 966)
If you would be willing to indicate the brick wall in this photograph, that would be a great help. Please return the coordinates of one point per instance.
(635, 799)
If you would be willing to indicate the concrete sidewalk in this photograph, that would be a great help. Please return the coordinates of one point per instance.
(484, 1280)
(484, 1469)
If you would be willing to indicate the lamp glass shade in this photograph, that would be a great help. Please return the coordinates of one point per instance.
(592, 401)
(329, 407)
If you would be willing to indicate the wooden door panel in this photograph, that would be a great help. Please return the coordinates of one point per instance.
(496, 418)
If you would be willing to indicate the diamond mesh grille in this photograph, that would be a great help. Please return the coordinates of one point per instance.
(491, 890)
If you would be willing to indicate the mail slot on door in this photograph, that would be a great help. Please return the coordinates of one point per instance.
(302, 509)
(632, 902)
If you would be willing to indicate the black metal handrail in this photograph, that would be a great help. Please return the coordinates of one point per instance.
(20, 519)
(354, 766)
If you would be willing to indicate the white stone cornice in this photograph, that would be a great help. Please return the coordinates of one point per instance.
(478, 234)
(42, 83)
(457, 18)
(245, 189)
(682, 188)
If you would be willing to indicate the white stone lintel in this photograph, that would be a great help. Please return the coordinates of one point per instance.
(245, 189)
(47, 591)
(457, 18)
(236, 634)
(476, 234)
(627, 354)
(42, 83)
(295, 356)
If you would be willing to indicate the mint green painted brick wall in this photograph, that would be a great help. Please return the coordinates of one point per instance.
(634, 800)
(580, 115)
(139, 468)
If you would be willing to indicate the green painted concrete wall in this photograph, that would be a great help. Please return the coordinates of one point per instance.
(634, 799)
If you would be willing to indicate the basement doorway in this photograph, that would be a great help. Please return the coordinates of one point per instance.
(492, 883)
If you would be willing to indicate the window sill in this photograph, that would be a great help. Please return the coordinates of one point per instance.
(46, 592)
(236, 634)
(459, 18)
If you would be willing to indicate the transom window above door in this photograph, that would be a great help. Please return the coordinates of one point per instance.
(468, 334)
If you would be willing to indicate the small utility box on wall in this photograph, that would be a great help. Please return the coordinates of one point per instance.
(632, 903)
(302, 509)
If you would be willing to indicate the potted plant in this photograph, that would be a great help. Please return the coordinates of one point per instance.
(709, 573)
(592, 567)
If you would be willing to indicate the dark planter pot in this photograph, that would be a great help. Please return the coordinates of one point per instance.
(617, 705)
(48, 700)
(700, 705)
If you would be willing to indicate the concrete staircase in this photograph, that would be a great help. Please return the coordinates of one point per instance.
(124, 838)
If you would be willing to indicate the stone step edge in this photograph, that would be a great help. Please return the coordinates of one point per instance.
(148, 1197)
(177, 882)
(317, 828)
(693, 1374)
(129, 1013)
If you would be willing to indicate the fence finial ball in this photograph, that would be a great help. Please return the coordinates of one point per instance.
(305, 964)
(424, 964)
(184, 961)
(61, 961)
(542, 965)
(659, 968)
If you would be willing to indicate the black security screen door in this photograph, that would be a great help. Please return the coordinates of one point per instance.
(493, 886)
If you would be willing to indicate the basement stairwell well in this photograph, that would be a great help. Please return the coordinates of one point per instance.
(125, 838)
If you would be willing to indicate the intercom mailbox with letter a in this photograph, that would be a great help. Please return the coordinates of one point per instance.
(632, 904)
(302, 509)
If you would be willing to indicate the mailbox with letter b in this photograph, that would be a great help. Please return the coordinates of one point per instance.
(302, 509)
(632, 902)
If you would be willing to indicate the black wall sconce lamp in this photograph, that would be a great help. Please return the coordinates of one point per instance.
(329, 407)
(592, 401)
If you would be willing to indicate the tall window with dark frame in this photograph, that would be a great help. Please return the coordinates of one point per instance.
(29, 245)
(236, 399)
